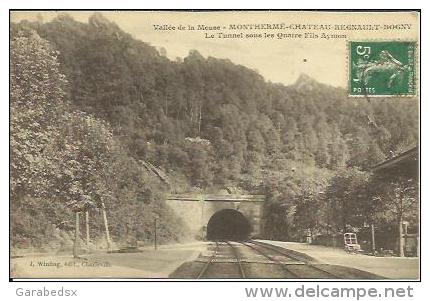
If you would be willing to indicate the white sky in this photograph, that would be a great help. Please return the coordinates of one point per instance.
(278, 60)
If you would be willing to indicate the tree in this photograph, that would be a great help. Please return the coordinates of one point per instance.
(308, 212)
(200, 163)
(396, 201)
(255, 141)
(348, 199)
(56, 154)
(37, 101)
(257, 130)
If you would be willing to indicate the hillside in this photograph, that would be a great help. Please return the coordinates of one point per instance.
(209, 123)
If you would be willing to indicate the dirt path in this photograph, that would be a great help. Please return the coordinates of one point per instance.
(389, 267)
(146, 264)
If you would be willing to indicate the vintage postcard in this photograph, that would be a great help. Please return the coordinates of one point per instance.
(215, 145)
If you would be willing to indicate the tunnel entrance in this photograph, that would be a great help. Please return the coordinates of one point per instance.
(228, 224)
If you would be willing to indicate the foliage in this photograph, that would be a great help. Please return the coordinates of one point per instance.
(36, 100)
(153, 104)
(396, 200)
(348, 202)
(127, 103)
(65, 160)
(294, 202)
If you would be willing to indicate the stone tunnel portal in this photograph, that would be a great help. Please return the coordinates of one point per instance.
(228, 224)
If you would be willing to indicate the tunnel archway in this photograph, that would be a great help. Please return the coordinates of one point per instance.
(228, 224)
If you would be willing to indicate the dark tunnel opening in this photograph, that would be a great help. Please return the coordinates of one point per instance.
(228, 224)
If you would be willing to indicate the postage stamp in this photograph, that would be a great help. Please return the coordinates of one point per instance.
(382, 68)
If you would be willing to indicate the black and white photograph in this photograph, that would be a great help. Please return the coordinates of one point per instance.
(214, 145)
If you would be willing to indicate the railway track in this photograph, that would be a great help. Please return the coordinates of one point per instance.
(226, 262)
(305, 267)
(220, 263)
(209, 262)
(271, 258)
(253, 259)
(238, 259)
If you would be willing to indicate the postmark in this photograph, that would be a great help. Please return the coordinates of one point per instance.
(385, 68)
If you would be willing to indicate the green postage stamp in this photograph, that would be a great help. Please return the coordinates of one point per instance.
(382, 68)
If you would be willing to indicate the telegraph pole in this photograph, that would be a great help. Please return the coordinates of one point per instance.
(373, 239)
(401, 241)
(155, 233)
(109, 247)
(87, 226)
(76, 244)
